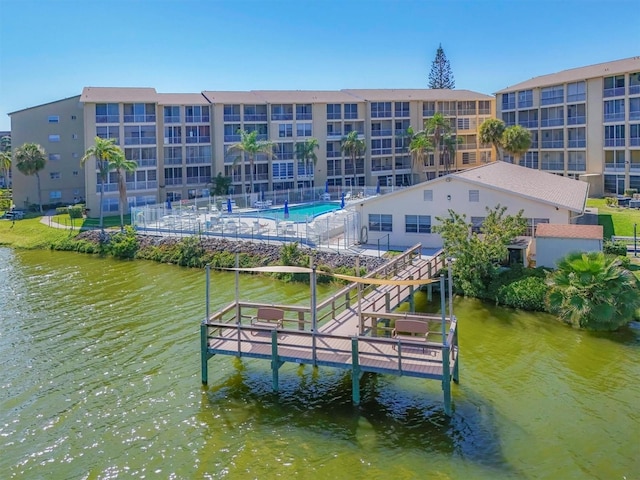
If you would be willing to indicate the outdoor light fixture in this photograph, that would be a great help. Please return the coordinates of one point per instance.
(448, 197)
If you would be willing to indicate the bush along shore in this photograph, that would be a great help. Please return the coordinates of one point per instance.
(198, 252)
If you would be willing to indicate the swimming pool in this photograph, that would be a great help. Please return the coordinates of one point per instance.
(299, 213)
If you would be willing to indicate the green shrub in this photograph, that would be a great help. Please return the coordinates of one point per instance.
(76, 211)
(526, 294)
(611, 201)
(123, 244)
(614, 248)
(630, 191)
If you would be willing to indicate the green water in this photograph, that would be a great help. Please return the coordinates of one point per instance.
(100, 378)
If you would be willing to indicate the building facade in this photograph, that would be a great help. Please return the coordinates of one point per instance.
(58, 128)
(181, 142)
(584, 122)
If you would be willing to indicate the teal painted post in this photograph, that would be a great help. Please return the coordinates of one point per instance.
(430, 291)
(412, 306)
(456, 352)
(443, 310)
(275, 363)
(446, 380)
(204, 354)
(355, 372)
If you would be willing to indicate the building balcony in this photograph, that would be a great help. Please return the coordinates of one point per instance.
(578, 97)
(613, 92)
(202, 139)
(528, 123)
(380, 151)
(350, 116)
(467, 146)
(613, 167)
(172, 119)
(137, 186)
(281, 116)
(509, 106)
(139, 141)
(334, 134)
(577, 144)
(231, 117)
(173, 181)
(577, 167)
(525, 104)
(402, 113)
(553, 144)
(107, 118)
(304, 116)
(634, 89)
(634, 142)
(197, 119)
(334, 154)
(232, 138)
(552, 122)
(139, 119)
(428, 112)
(146, 162)
(198, 180)
(170, 161)
(634, 115)
(614, 142)
(381, 133)
(614, 117)
(334, 116)
(577, 120)
(554, 166)
(255, 117)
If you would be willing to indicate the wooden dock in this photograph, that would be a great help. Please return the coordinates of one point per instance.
(349, 330)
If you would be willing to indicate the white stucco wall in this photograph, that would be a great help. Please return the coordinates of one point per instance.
(452, 194)
(549, 250)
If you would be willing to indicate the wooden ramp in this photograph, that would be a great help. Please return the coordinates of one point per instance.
(350, 330)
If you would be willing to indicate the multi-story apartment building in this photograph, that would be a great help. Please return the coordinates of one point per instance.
(584, 122)
(181, 141)
(58, 128)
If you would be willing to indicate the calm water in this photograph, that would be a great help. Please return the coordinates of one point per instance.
(100, 378)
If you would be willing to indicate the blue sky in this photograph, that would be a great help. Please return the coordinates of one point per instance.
(51, 49)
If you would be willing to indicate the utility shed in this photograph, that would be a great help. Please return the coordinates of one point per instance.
(554, 241)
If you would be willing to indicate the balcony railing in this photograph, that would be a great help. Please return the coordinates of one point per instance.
(334, 154)
(614, 142)
(146, 162)
(172, 140)
(525, 104)
(634, 89)
(382, 168)
(509, 105)
(552, 143)
(634, 142)
(203, 180)
(199, 139)
(303, 116)
(577, 166)
(171, 161)
(467, 146)
(552, 165)
(282, 116)
(350, 116)
(231, 117)
(577, 97)
(613, 92)
(139, 141)
(634, 115)
(150, 185)
(577, 143)
(428, 112)
(232, 138)
(381, 133)
(255, 117)
(552, 122)
(614, 117)
(139, 118)
(334, 116)
(173, 181)
(576, 120)
(334, 133)
(107, 118)
(197, 118)
(380, 151)
(614, 167)
(172, 119)
(402, 113)
(528, 123)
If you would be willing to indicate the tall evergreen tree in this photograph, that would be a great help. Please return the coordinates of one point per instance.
(441, 75)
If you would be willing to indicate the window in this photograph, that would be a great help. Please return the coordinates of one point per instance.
(54, 156)
(172, 114)
(447, 108)
(380, 223)
(54, 175)
(284, 151)
(634, 83)
(381, 146)
(474, 195)
(401, 109)
(528, 118)
(350, 111)
(303, 129)
(509, 118)
(552, 117)
(525, 99)
(553, 138)
(334, 111)
(508, 101)
(463, 123)
(634, 108)
(282, 170)
(54, 138)
(476, 224)
(529, 160)
(143, 156)
(532, 223)
(74, 136)
(285, 130)
(197, 134)
(173, 176)
(552, 95)
(553, 161)
(74, 173)
(281, 112)
(198, 175)
(380, 109)
(577, 137)
(172, 135)
(484, 107)
(577, 162)
(613, 86)
(614, 136)
(634, 135)
(467, 107)
(576, 92)
(108, 132)
(54, 119)
(255, 113)
(428, 109)
(172, 155)
(468, 158)
(140, 135)
(231, 113)
(196, 113)
(73, 117)
(417, 223)
(55, 195)
(107, 113)
(198, 154)
(139, 112)
(576, 114)
(427, 195)
(614, 110)
(303, 112)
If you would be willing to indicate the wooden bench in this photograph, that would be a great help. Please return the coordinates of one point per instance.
(268, 317)
(415, 331)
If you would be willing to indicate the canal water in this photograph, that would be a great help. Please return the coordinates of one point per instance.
(100, 379)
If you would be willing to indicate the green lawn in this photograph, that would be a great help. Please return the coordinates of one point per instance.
(109, 222)
(30, 233)
(615, 220)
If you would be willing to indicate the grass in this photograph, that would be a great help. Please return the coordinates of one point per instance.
(31, 234)
(109, 222)
(615, 220)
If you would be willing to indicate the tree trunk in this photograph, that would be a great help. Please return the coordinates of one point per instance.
(101, 197)
(39, 191)
(251, 168)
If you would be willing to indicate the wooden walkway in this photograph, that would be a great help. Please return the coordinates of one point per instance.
(352, 331)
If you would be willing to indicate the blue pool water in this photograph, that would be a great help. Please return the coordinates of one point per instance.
(299, 213)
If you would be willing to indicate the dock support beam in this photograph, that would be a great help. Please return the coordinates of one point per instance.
(275, 360)
(456, 360)
(204, 356)
(446, 381)
(355, 372)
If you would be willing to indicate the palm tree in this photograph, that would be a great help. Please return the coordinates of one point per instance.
(436, 128)
(353, 147)
(419, 145)
(592, 290)
(120, 164)
(491, 132)
(5, 158)
(5, 143)
(449, 144)
(516, 140)
(250, 146)
(305, 152)
(30, 160)
(104, 151)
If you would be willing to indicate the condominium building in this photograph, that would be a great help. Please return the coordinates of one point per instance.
(58, 128)
(180, 142)
(584, 122)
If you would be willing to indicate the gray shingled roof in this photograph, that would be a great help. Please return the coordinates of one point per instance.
(576, 74)
(538, 185)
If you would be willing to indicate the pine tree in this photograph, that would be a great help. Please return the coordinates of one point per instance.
(441, 75)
